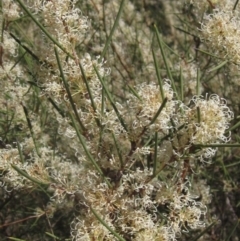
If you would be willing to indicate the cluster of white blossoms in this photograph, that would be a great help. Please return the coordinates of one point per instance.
(132, 210)
(103, 163)
(63, 20)
(11, 10)
(214, 118)
(145, 105)
(220, 31)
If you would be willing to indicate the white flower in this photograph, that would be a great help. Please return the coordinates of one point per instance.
(220, 31)
(214, 120)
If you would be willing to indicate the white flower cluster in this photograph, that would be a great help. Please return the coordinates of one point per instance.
(63, 20)
(220, 30)
(214, 120)
(145, 105)
(11, 10)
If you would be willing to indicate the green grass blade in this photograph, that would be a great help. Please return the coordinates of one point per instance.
(68, 90)
(52, 236)
(106, 226)
(30, 128)
(81, 139)
(118, 150)
(59, 110)
(198, 82)
(198, 115)
(110, 98)
(234, 127)
(169, 74)
(219, 66)
(235, 5)
(181, 85)
(16, 239)
(233, 230)
(155, 154)
(233, 164)
(89, 92)
(20, 152)
(113, 29)
(159, 111)
(158, 74)
(41, 27)
(134, 92)
(203, 232)
(25, 174)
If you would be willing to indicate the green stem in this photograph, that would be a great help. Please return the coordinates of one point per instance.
(155, 154)
(25, 174)
(159, 111)
(110, 98)
(158, 74)
(30, 128)
(67, 89)
(106, 225)
(165, 60)
(42, 28)
(81, 139)
(181, 85)
(89, 92)
(118, 150)
(234, 127)
(113, 29)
